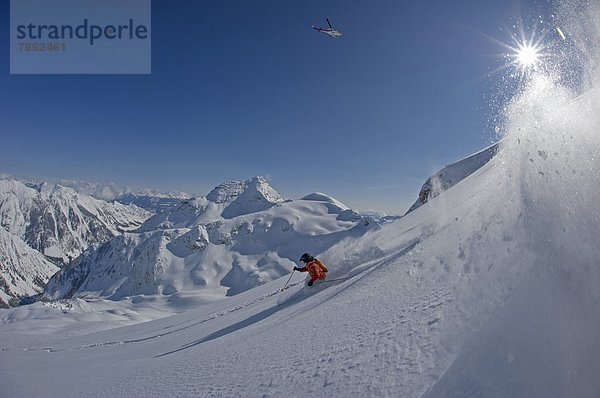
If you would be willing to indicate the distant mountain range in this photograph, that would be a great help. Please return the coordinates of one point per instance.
(242, 234)
(57, 224)
(61, 223)
(149, 199)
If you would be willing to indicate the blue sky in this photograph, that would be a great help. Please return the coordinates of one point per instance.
(244, 88)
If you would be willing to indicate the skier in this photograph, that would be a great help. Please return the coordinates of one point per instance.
(314, 266)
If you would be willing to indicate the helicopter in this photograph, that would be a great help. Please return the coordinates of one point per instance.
(330, 31)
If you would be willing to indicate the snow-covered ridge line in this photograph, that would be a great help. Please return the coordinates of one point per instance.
(452, 174)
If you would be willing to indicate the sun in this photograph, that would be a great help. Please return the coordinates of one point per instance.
(527, 55)
(528, 49)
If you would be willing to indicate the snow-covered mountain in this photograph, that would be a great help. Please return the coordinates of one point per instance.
(453, 174)
(23, 270)
(226, 201)
(59, 222)
(241, 235)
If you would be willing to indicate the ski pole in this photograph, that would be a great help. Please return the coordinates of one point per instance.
(288, 281)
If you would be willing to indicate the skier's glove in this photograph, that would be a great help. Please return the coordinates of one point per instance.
(310, 283)
(296, 268)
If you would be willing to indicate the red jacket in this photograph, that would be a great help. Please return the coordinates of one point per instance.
(315, 269)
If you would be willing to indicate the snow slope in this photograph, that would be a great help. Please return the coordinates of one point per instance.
(240, 236)
(541, 342)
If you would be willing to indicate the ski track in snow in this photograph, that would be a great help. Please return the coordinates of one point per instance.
(397, 341)
(363, 271)
(175, 330)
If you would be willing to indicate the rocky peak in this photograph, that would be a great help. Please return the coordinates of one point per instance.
(247, 197)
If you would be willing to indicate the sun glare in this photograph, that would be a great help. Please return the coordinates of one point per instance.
(528, 50)
(527, 55)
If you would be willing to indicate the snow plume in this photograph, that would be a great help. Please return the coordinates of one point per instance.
(531, 236)
(579, 59)
(551, 155)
